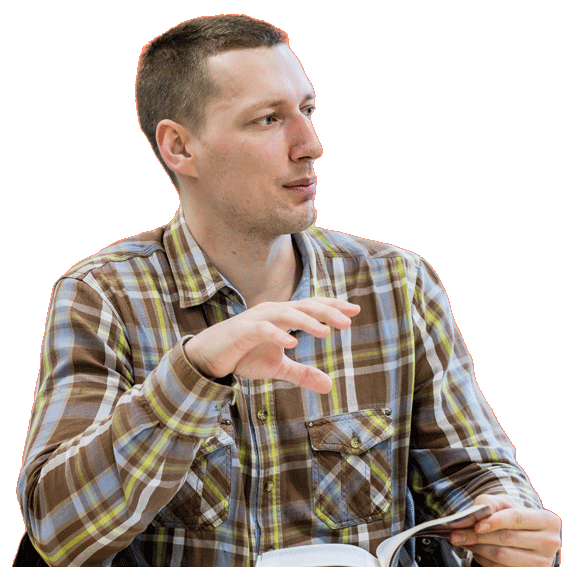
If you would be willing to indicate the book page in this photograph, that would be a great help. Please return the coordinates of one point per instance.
(318, 555)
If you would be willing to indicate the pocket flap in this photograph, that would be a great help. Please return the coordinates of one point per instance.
(353, 432)
(220, 439)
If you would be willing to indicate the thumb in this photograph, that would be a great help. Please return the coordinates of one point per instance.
(306, 377)
(497, 503)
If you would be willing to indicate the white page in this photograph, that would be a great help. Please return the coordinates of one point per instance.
(318, 555)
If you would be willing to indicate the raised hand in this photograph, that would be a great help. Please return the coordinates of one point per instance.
(252, 344)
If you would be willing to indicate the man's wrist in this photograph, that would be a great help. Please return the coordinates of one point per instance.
(191, 360)
(227, 380)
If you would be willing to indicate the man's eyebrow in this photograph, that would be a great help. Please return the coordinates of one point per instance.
(276, 102)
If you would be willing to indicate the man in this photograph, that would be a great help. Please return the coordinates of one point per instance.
(240, 380)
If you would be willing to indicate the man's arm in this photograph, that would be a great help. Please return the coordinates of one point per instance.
(459, 452)
(103, 455)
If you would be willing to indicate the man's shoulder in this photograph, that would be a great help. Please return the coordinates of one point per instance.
(142, 245)
(339, 244)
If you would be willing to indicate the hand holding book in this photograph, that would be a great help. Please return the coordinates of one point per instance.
(512, 534)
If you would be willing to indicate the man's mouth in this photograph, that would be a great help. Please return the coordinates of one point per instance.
(302, 182)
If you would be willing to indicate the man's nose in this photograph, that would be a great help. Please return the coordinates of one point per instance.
(305, 144)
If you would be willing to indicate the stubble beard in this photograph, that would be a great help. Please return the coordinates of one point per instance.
(269, 224)
(275, 225)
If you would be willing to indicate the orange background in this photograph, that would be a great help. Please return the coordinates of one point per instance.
(444, 127)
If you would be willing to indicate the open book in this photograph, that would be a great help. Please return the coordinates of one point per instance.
(387, 553)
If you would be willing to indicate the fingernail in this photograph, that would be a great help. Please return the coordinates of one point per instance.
(483, 528)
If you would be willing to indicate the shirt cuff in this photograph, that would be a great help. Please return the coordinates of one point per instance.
(182, 399)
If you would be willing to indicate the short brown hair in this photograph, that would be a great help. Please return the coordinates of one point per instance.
(172, 81)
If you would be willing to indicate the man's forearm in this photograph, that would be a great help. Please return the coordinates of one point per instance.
(87, 498)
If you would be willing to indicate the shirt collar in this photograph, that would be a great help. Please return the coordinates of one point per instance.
(198, 280)
(315, 249)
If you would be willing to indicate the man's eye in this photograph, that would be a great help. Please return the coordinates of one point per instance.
(309, 111)
(266, 120)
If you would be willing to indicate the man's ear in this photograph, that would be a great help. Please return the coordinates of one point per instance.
(174, 143)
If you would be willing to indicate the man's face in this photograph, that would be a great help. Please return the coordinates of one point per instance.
(255, 153)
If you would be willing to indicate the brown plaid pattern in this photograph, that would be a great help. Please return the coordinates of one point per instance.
(130, 446)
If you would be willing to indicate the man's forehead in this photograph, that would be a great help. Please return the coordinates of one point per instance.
(257, 75)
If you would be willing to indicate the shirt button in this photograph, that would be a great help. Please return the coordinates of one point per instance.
(270, 486)
(262, 414)
(355, 442)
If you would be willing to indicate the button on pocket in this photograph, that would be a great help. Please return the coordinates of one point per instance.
(203, 499)
(352, 467)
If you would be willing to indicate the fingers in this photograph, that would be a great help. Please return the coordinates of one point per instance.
(506, 538)
(514, 518)
(306, 377)
(310, 315)
(542, 535)
(493, 556)
(347, 308)
(539, 526)
(242, 341)
(511, 535)
(506, 514)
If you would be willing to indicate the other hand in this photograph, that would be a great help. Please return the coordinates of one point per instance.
(252, 344)
(512, 536)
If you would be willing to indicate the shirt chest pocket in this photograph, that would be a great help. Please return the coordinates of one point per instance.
(351, 469)
(203, 499)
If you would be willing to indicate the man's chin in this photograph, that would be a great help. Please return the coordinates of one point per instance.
(287, 223)
(306, 223)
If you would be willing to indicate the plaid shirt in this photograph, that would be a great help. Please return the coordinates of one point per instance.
(129, 445)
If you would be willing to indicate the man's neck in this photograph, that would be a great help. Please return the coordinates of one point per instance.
(260, 268)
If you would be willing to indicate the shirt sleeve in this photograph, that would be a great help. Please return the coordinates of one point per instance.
(458, 449)
(104, 455)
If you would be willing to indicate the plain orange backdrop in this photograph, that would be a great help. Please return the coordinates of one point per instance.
(444, 127)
